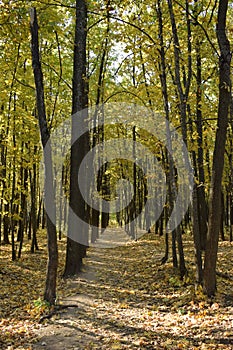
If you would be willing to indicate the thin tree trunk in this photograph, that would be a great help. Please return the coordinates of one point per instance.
(32, 173)
(201, 201)
(219, 150)
(52, 264)
(23, 210)
(95, 214)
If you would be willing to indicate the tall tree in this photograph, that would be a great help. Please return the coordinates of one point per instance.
(51, 276)
(219, 150)
(200, 210)
(78, 235)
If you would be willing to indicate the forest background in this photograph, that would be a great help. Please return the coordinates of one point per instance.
(163, 55)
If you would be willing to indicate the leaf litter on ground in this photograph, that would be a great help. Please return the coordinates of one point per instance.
(133, 301)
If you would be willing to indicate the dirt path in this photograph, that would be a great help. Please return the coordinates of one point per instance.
(75, 327)
(125, 299)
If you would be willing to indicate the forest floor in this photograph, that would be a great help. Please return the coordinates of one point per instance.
(123, 299)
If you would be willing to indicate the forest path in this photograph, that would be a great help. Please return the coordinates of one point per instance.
(73, 327)
(125, 299)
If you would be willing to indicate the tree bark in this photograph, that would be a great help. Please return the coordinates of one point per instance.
(52, 264)
(219, 150)
(75, 247)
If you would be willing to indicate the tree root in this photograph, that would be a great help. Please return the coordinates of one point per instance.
(56, 310)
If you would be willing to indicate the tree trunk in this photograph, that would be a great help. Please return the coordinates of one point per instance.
(219, 149)
(201, 201)
(176, 234)
(5, 218)
(32, 176)
(23, 210)
(51, 275)
(75, 247)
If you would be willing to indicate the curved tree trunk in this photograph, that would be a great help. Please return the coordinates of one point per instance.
(52, 264)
